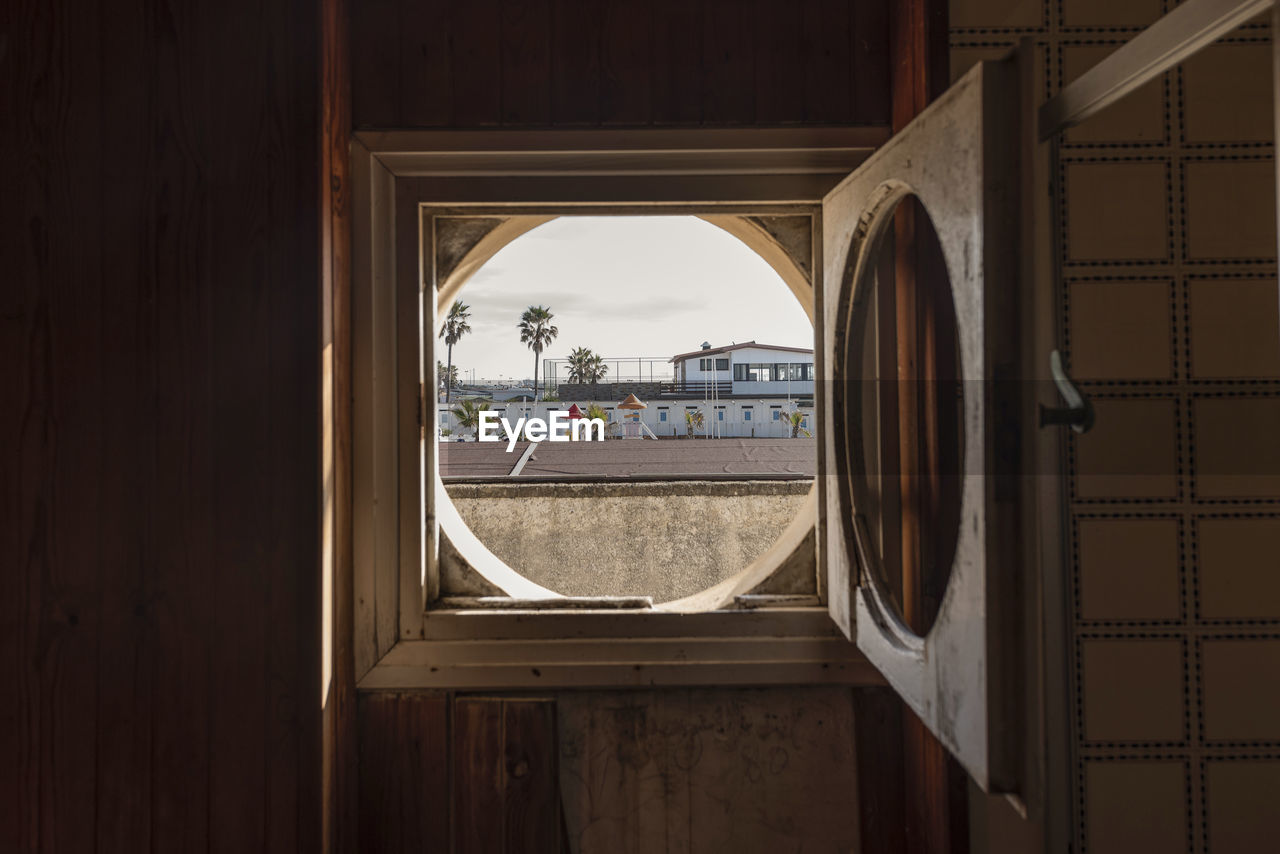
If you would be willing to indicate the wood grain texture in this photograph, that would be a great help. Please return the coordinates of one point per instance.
(424, 97)
(936, 808)
(728, 63)
(475, 52)
(565, 63)
(626, 63)
(869, 63)
(744, 770)
(340, 746)
(506, 786)
(779, 67)
(404, 773)
(385, 54)
(160, 317)
(526, 62)
(575, 61)
(877, 718)
(677, 62)
(826, 58)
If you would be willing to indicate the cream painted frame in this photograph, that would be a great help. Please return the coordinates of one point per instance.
(519, 220)
(393, 174)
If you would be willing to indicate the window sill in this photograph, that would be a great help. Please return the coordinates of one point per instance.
(520, 650)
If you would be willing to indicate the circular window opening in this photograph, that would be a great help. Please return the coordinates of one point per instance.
(674, 366)
(903, 411)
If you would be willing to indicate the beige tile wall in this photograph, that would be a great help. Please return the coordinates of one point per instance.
(1171, 321)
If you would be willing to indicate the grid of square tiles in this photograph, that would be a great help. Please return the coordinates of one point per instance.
(1170, 321)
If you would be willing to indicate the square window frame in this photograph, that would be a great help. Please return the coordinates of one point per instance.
(396, 173)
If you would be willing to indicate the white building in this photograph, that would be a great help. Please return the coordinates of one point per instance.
(761, 418)
(746, 369)
(742, 390)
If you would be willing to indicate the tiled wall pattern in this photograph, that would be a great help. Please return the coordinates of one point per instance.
(1170, 321)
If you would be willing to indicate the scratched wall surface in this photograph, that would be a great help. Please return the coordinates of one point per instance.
(1169, 319)
(680, 771)
(707, 770)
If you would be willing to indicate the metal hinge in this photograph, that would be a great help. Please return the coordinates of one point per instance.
(422, 410)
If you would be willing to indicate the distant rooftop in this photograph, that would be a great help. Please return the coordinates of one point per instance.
(752, 344)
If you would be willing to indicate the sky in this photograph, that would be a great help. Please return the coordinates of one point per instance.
(624, 287)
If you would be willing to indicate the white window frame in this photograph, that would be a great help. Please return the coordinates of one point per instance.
(686, 171)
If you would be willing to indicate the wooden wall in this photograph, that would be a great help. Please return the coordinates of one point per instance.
(632, 772)
(159, 426)
(543, 63)
(172, 222)
(679, 770)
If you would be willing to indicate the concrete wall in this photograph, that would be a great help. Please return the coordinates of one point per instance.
(611, 392)
(664, 540)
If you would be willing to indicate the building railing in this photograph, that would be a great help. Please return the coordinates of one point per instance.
(699, 388)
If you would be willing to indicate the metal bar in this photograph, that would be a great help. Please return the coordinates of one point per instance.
(628, 478)
(1155, 50)
(524, 458)
(1275, 100)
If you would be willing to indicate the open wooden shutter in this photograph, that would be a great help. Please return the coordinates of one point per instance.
(960, 160)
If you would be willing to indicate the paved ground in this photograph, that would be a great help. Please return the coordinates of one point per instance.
(627, 457)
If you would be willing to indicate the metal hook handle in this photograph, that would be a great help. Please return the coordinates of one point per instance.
(1078, 413)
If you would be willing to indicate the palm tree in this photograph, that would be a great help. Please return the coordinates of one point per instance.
(595, 410)
(586, 366)
(796, 419)
(448, 376)
(693, 420)
(598, 368)
(455, 326)
(536, 331)
(467, 414)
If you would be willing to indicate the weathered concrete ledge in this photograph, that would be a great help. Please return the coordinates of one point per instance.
(666, 540)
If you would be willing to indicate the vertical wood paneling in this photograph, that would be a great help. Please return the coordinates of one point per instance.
(626, 80)
(179, 216)
(779, 68)
(425, 97)
(826, 60)
(869, 62)
(531, 808)
(293, 355)
(936, 809)
(728, 60)
(478, 776)
(404, 773)
(575, 61)
(475, 51)
(506, 787)
(526, 62)
(241, 425)
(67, 122)
(376, 50)
(677, 62)
(877, 718)
(340, 740)
(160, 465)
(537, 63)
(22, 428)
(128, 641)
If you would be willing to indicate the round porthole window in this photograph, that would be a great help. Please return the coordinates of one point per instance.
(903, 413)
(626, 405)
